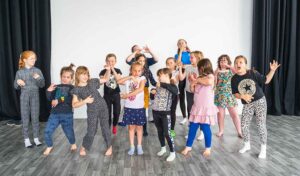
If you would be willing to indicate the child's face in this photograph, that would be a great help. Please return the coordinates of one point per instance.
(66, 78)
(83, 78)
(193, 59)
(240, 65)
(164, 78)
(30, 61)
(136, 71)
(111, 61)
(171, 64)
(142, 61)
(181, 44)
(223, 63)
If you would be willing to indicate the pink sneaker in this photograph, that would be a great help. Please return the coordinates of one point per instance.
(114, 130)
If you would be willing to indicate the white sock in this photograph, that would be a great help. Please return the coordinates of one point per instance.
(162, 151)
(37, 142)
(171, 157)
(27, 143)
(263, 151)
(245, 148)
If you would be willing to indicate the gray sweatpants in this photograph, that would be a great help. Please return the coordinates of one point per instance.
(94, 117)
(30, 107)
(259, 109)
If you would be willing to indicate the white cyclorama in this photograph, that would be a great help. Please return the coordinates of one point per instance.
(84, 32)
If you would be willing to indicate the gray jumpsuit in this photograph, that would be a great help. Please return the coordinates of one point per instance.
(96, 112)
(29, 98)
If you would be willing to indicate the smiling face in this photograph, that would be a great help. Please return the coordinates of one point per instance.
(193, 59)
(30, 61)
(111, 61)
(223, 63)
(141, 60)
(240, 65)
(66, 78)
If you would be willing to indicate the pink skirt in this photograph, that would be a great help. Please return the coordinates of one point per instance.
(206, 115)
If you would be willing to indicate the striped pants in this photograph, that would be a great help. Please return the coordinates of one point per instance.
(30, 107)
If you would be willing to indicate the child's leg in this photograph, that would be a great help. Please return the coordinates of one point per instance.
(236, 120)
(25, 114)
(108, 103)
(190, 102)
(261, 114)
(139, 130)
(52, 124)
(166, 124)
(92, 126)
(207, 136)
(106, 133)
(66, 121)
(221, 115)
(173, 111)
(159, 127)
(181, 87)
(117, 109)
(191, 137)
(131, 131)
(35, 113)
(247, 114)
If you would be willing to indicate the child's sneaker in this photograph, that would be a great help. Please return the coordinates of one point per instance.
(183, 121)
(245, 148)
(171, 157)
(263, 152)
(162, 151)
(37, 141)
(131, 150)
(28, 143)
(140, 150)
(114, 130)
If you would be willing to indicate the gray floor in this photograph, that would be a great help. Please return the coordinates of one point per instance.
(283, 153)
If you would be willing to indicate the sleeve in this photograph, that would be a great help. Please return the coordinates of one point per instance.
(95, 83)
(129, 63)
(16, 78)
(41, 80)
(260, 79)
(151, 61)
(176, 56)
(170, 87)
(102, 73)
(75, 91)
(50, 95)
(234, 87)
(118, 71)
(151, 79)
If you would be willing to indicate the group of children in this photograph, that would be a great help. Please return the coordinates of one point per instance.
(208, 93)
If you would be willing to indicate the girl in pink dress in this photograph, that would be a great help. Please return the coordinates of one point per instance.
(204, 111)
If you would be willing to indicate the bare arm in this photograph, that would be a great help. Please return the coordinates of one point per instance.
(130, 57)
(77, 103)
(122, 80)
(207, 81)
(116, 75)
(273, 68)
(181, 74)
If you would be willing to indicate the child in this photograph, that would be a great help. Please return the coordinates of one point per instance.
(203, 111)
(183, 58)
(62, 111)
(29, 79)
(171, 64)
(191, 72)
(149, 77)
(86, 92)
(246, 85)
(223, 94)
(112, 90)
(136, 50)
(134, 110)
(162, 110)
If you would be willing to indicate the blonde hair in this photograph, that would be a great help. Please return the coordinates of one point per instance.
(25, 55)
(198, 54)
(79, 71)
(135, 64)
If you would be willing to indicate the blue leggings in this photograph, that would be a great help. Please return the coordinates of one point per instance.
(192, 134)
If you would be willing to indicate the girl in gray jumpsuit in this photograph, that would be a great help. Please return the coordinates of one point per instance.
(29, 79)
(86, 92)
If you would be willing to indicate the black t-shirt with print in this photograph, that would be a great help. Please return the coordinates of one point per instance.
(111, 86)
(250, 83)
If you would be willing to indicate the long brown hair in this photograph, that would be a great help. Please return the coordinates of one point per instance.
(187, 48)
(81, 70)
(205, 67)
(221, 57)
(25, 55)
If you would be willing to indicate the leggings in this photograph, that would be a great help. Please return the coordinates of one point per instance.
(162, 122)
(181, 87)
(192, 134)
(113, 101)
(190, 102)
(173, 111)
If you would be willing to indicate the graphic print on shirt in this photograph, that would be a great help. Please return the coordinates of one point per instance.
(111, 83)
(61, 93)
(247, 86)
(132, 86)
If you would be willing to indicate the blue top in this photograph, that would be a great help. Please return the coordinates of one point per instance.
(185, 58)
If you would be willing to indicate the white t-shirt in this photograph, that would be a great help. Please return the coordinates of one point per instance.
(189, 69)
(137, 101)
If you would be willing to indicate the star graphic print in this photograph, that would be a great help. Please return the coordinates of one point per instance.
(247, 86)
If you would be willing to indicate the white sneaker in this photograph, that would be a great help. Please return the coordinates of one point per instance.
(183, 121)
(245, 148)
(201, 136)
(263, 152)
(171, 157)
(37, 141)
(162, 151)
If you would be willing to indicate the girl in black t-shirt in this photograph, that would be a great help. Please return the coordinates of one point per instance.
(246, 85)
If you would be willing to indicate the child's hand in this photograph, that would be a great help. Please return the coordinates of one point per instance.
(192, 77)
(274, 65)
(20, 82)
(146, 49)
(89, 100)
(247, 97)
(123, 96)
(51, 88)
(107, 67)
(54, 103)
(133, 79)
(158, 84)
(153, 91)
(179, 65)
(35, 75)
(102, 80)
(173, 81)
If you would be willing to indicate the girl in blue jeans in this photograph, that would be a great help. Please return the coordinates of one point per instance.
(62, 111)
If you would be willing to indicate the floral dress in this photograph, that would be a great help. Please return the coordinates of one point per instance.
(223, 93)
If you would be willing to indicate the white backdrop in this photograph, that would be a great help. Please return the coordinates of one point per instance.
(84, 31)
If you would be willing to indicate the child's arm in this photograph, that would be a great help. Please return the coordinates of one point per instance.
(124, 79)
(77, 103)
(181, 74)
(50, 92)
(116, 75)
(273, 68)
(18, 83)
(179, 56)
(206, 80)
(170, 87)
(246, 97)
(147, 49)
(192, 86)
(151, 79)
(216, 76)
(136, 91)
(130, 57)
(106, 76)
(38, 76)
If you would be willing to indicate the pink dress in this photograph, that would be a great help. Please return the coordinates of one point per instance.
(204, 109)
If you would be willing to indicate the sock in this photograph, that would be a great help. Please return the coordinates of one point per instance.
(263, 151)
(140, 150)
(246, 147)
